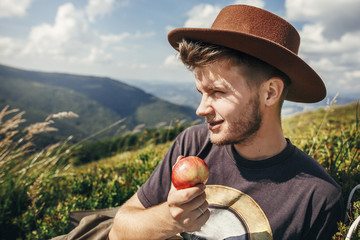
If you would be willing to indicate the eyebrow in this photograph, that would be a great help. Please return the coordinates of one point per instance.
(213, 87)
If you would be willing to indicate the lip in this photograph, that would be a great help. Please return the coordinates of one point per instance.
(213, 125)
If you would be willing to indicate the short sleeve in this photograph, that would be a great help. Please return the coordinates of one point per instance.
(190, 142)
(155, 190)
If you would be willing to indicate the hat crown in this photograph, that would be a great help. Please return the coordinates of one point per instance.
(260, 23)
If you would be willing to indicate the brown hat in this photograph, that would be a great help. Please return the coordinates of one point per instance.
(263, 35)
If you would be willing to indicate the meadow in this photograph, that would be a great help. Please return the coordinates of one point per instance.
(38, 189)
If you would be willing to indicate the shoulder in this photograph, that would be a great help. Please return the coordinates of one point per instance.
(311, 167)
(197, 133)
(319, 182)
(197, 129)
(193, 139)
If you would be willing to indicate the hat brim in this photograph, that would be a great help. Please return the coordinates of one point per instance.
(306, 85)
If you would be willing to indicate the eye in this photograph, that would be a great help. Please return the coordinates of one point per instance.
(218, 92)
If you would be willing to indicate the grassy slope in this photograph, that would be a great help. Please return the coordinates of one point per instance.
(98, 101)
(299, 124)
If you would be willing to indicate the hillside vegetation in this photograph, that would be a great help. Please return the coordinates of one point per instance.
(35, 204)
(98, 101)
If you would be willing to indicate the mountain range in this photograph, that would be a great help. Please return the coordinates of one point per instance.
(99, 102)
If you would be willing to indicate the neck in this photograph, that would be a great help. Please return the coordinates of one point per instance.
(267, 142)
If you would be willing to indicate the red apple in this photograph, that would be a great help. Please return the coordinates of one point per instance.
(189, 171)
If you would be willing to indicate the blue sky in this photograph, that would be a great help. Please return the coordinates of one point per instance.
(127, 39)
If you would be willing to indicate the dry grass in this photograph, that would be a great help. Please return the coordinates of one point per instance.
(16, 156)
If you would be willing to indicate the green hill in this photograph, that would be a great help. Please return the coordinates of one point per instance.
(99, 102)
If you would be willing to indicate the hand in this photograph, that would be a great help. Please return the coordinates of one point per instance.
(184, 206)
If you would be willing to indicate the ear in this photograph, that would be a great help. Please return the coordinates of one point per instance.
(271, 91)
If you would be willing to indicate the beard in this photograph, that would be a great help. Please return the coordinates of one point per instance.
(244, 128)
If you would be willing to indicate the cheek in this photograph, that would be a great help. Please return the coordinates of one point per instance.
(227, 108)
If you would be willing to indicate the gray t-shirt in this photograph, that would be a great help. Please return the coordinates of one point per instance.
(287, 196)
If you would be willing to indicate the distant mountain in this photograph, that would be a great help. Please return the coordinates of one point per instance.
(184, 93)
(291, 108)
(98, 101)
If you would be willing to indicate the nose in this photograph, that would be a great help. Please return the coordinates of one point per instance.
(204, 108)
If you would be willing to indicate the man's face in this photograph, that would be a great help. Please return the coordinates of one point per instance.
(230, 107)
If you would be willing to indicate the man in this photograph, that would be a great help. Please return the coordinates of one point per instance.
(260, 185)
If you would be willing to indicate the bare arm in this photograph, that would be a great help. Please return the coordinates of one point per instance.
(179, 213)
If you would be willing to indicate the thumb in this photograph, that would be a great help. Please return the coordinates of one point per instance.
(179, 158)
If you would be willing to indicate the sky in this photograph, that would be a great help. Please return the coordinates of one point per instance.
(127, 39)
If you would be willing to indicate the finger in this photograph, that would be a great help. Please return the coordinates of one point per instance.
(188, 194)
(200, 210)
(196, 202)
(204, 217)
(204, 208)
(200, 221)
(178, 158)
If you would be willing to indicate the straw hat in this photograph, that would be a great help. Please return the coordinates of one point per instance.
(263, 35)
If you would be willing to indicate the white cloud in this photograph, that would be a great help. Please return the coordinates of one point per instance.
(255, 3)
(351, 81)
(69, 34)
(354, 74)
(172, 61)
(9, 46)
(70, 39)
(139, 66)
(314, 41)
(99, 8)
(336, 61)
(336, 17)
(330, 40)
(13, 8)
(114, 38)
(202, 15)
(98, 55)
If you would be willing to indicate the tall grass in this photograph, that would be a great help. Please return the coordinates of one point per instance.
(38, 189)
(23, 170)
